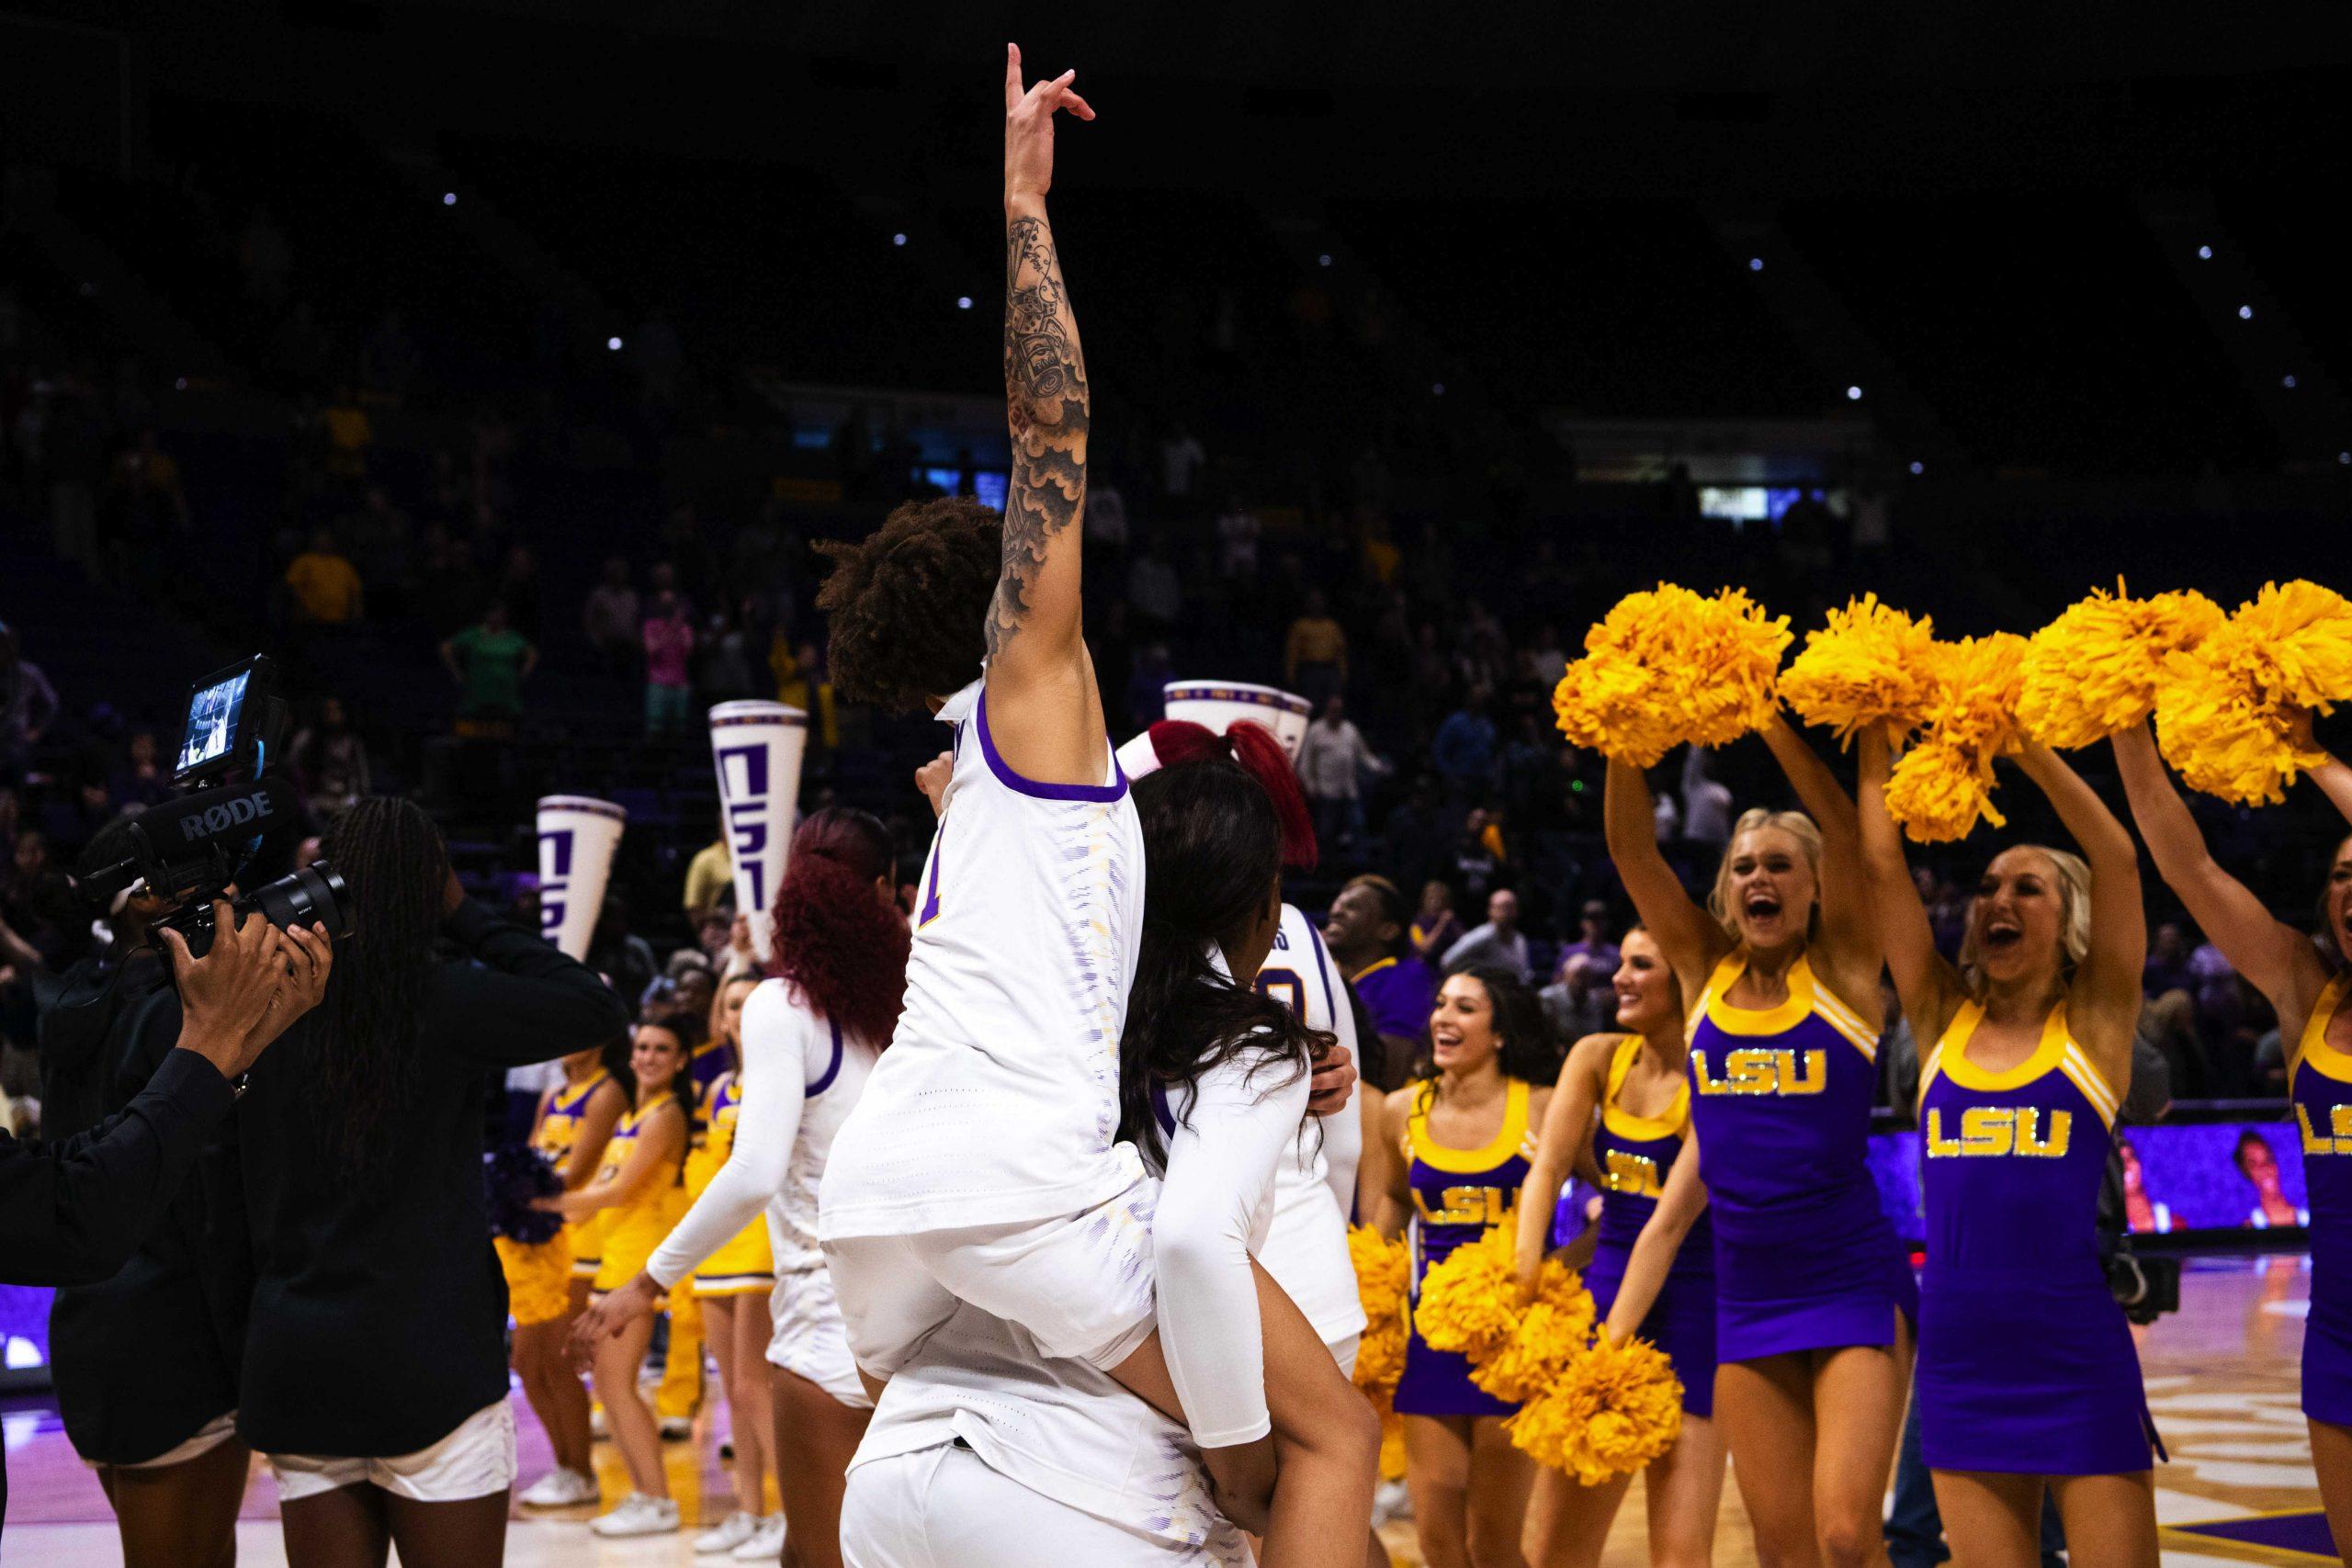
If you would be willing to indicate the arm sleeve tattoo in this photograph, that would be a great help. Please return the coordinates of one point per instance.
(1049, 409)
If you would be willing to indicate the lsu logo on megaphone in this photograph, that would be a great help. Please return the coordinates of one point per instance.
(555, 880)
(223, 815)
(743, 783)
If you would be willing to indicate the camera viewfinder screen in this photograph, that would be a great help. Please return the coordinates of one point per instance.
(213, 716)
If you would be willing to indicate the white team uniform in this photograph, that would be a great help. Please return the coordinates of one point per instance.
(1315, 1189)
(1057, 1462)
(982, 1163)
(802, 1075)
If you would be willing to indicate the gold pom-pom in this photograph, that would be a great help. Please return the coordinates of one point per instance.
(2229, 712)
(1870, 664)
(1391, 1446)
(1383, 1278)
(1470, 1297)
(1614, 1410)
(2095, 668)
(1942, 787)
(1539, 1350)
(538, 1278)
(1666, 666)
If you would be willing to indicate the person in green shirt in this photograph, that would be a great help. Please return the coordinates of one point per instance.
(490, 660)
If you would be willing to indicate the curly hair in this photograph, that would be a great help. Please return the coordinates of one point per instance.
(836, 942)
(909, 603)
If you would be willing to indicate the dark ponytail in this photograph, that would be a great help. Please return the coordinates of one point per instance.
(1212, 853)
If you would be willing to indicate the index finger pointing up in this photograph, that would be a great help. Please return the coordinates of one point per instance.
(1012, 91)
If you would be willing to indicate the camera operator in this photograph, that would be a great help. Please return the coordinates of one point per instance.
(145, 1360)
(375, 1361)
(74, 1211)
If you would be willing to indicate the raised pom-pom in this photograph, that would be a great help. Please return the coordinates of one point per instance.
(1383, 1278)
(1666, 666)
(2230, 712)
(1613, 1410)
(1470, 1297)
(1943, 787)
(539, 1277)
(2096, 668)
(1870, 664)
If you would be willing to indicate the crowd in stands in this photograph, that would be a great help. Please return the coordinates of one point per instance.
(1419, 569)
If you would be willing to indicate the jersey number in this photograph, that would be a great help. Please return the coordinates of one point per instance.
(1285, 988)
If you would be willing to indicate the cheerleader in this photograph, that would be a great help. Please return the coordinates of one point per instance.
(639, 1189)
(1814, 1304)
(574, 1122)
(2306, 984)
(1639, 1084)
(808, 1036)
(732, 1286)
(2028, 1377)
(1453, 1152)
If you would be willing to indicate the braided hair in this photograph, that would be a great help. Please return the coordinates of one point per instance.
(364, 1036)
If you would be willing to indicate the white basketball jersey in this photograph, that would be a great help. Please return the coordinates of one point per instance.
(998, 1100)
(1306, 1251)
(834, 1069)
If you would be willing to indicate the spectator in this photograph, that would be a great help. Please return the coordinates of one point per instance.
(1180, 457)
(611, 619)
(2220, 1005)
(490, 660)
(1332, 760)
(1365, 935)
(382, 545)
(2168, 966)
(624, 959)
(144, 508)
(1237, 529)
(1463, 751)
(727, 663)
(1592, 943)
(1315, 655)
(350, 434)
(331, 761)
(28, 707)
(450, 593)
(1475, 863)
(1498, 942)
(1154, 592)
(326, 587)
(1436, 927)
(1581, 998)
(1706, 805)
(141, 781)
(1547, 660)
(669, 643)
(710, 875)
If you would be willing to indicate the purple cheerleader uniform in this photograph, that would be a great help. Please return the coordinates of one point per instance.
(1804, 1258)
(1457, 1193)
(2320, 1083)
(1634, 1154)
(2026, 1364)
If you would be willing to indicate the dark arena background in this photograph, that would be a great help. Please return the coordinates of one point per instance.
(495, 369)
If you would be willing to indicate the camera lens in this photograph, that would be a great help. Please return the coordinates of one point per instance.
(316, 892)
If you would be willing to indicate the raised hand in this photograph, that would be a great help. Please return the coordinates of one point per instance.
(1029, 129)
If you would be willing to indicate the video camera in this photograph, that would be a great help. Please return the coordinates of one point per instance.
(237, 823)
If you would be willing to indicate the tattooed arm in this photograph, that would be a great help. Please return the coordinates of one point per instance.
(1044, 713)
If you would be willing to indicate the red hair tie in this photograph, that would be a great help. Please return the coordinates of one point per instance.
(1176, 741)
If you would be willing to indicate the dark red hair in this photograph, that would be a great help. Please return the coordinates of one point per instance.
(836, 942)
(1176, 741)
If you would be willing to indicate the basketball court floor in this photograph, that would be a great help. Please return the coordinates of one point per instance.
(2220, 1375)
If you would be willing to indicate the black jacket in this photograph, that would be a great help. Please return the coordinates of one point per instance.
(379, 1311)
(146, 1358)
